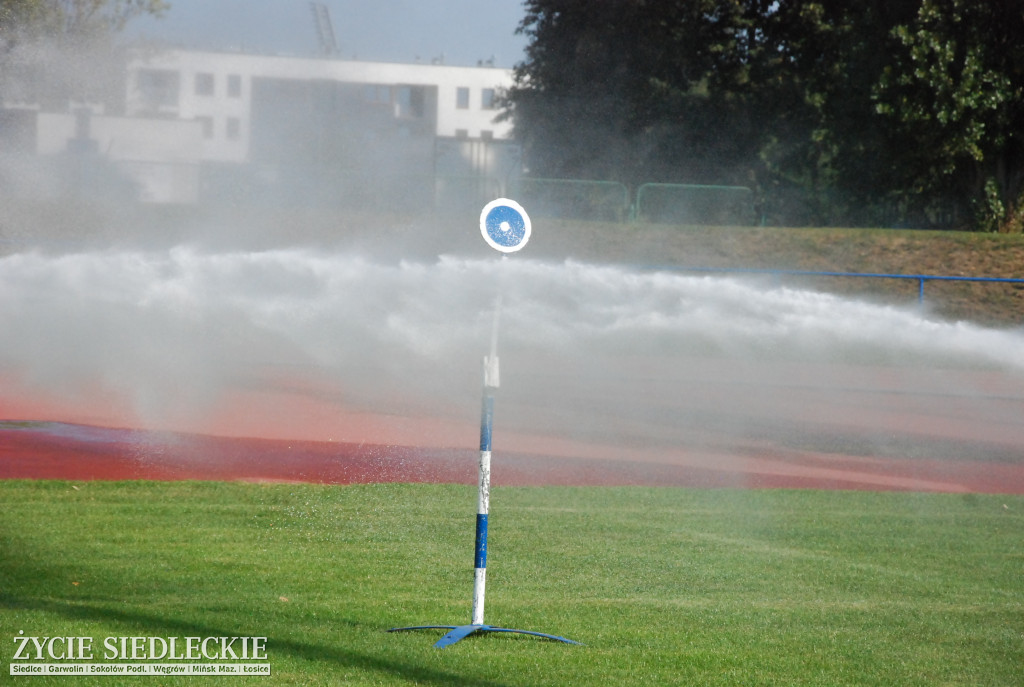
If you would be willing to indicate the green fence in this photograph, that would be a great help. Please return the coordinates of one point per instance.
(606, 201)
(578, 199)
(695, 204)
(465, 192)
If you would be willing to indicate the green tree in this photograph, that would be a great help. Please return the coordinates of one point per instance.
(630, 90)
(52, 51)
(692, 91)
(827, 144)
(953, 96)
(837, 113)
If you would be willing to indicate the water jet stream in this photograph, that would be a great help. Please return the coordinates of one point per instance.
(608, 361)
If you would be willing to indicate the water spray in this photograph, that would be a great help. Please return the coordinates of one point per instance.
(505, 227)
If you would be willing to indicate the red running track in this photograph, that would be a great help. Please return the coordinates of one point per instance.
(299, 433)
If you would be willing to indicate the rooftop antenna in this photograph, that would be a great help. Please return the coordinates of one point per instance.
(505, 227)
(324, 28)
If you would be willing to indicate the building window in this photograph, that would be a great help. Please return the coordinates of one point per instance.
(204, 84)
(487, 98)
(207, 123)
(411, 102)
(462, 98)
(487, 135)
(234, 86)
(461, 133)
(233, 129)
(158, 87)
(377, 93)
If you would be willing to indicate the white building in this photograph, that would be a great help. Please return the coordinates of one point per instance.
(229, 94)
(199, 124)
(160, 157)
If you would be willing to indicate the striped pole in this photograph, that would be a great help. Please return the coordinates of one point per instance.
(483, 504)
(506, 227)
(483, 501)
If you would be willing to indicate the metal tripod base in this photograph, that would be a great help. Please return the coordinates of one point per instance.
(458, 632)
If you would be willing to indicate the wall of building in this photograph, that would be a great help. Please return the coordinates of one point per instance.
(217, 90)
(206, 126)
(160, 158)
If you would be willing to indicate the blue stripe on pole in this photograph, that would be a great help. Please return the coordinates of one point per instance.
(481, 541)
(486, 418)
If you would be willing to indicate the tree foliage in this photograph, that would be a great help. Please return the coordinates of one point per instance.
(53, 50)
(835, 112)
(27, 20)
(611, 90)
(954, 94)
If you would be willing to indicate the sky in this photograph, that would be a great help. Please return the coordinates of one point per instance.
(462, 32)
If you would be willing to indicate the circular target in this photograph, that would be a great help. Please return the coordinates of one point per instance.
(505, 225)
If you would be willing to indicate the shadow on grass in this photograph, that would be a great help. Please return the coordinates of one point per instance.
(306, 651)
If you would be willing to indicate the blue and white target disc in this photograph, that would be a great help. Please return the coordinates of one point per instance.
(505, 225)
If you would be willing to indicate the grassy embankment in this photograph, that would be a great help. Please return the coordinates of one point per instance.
(891, 251)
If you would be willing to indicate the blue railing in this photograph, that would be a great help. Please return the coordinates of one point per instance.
(778, 273)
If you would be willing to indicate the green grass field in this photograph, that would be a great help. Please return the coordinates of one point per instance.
(664, 586)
